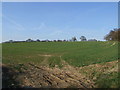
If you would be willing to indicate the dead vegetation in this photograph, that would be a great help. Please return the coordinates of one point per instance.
(31, 75)
(39, 76)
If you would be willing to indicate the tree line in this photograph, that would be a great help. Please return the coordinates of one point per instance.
(73, 39)
(113, 35)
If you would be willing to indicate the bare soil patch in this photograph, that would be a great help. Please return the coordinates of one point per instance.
(67, 77)
(45, 55)
(39, 76)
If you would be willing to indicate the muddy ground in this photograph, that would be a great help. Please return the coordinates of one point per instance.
(36, 76)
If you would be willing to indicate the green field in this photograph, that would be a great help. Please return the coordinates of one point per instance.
(74, 53)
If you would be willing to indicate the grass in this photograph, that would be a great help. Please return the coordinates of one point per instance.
(105, 75)
(75, 53)
(109, 80)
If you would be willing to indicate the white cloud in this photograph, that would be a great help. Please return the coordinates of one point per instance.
(16, 24)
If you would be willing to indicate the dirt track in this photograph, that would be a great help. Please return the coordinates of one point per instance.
(39, 76)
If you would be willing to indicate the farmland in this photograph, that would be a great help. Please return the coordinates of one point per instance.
(77, 55)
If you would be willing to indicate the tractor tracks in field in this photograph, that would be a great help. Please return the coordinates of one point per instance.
(46, 57)
(30, 75)
(45, 77)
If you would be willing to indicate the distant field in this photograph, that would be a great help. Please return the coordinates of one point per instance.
(74, 53)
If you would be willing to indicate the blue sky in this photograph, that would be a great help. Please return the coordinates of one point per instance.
(61, 20)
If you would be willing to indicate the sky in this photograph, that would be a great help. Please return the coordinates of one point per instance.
(58, 20)
(0, 22)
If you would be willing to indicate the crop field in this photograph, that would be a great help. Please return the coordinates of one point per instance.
(77, 56)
